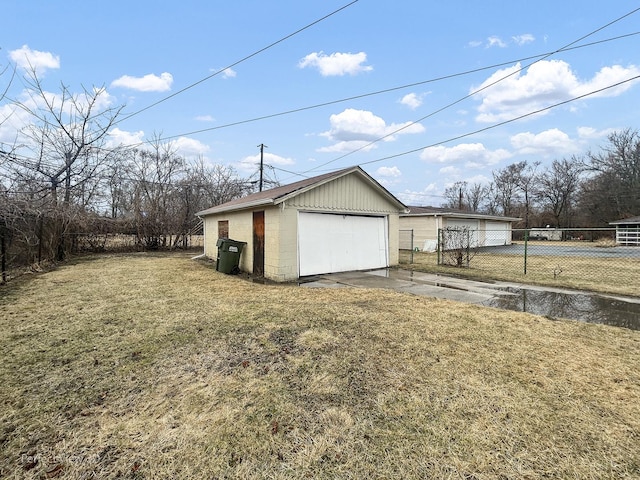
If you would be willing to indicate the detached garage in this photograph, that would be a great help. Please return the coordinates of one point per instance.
(486, 230)
(341, 221)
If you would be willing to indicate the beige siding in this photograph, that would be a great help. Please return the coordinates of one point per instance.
(349, 194)
(346, 194)
(424, 228)
(240, 229)
(394, 239)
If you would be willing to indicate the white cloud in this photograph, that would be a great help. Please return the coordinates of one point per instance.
(450, 170)
(548, 143)
(14, 119)
(27, 59)
(430, 195)
(229, 73)
(495, 41)
(336, 64)
(523, 39)
(608, 76)
(475, 43)
(205, 118)
(412, 100)
(188, 147)
(589, 133)
(148, 83)
(392, 172)
(473, 155)
(353, 129)
(252, 162)
(343, 147)
(121, 137)
(510, 93)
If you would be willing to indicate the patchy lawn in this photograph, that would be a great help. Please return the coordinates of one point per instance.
(157, 366)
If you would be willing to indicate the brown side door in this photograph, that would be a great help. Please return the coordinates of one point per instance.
(258, 243)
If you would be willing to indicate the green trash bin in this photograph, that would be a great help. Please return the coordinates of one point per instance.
(229, 255)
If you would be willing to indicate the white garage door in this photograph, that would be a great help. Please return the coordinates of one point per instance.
(471, 225)
(340, 243)
(497, 233)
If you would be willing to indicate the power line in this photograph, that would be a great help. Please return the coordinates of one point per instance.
(392, 89)
(490, 127)
(364, 95)
(257, 52)
(477, 91)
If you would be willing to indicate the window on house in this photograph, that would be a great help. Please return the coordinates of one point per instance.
(223, 229)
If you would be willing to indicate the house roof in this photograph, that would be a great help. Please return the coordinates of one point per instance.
(632, 220)
(278, 195)
(415, 211)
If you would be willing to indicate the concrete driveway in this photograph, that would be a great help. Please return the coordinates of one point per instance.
(548, 301)
(418, 283)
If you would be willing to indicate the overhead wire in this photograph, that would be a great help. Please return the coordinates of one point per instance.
(475, 92)
(490, 127)
(568, 47)
(390, 89)
(378, 92)
(505, 122)
(238, 62)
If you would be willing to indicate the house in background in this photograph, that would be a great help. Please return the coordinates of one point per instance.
(487, 230)
(339, 221)
(627, 231)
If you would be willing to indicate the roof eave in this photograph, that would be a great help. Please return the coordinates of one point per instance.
(463, 215)
(215, 210)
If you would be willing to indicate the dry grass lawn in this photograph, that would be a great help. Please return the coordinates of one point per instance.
(157, 366)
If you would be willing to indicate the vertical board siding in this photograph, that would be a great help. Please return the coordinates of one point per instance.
(347, 194)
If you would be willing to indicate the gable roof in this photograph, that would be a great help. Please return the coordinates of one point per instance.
(632, 220)
(281, 194)
(415, 211)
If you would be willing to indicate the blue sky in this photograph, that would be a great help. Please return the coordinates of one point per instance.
(415, 140)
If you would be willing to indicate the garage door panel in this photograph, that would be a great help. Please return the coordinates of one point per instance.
(497, 233)
(339, 243)
(471, 225)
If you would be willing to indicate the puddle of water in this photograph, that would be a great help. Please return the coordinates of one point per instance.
(576, 306)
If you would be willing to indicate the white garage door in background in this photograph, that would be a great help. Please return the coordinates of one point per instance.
(497, 233)
(340, 243)
(471, 225)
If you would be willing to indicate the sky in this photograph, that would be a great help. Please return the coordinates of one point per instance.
(419, 94)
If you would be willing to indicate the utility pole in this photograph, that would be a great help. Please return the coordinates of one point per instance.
(262, 147)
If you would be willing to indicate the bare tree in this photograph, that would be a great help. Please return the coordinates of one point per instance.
(513, 190)
(66, 143)
(455, 196)
(463, 196)
(613, 190)
(558, 187)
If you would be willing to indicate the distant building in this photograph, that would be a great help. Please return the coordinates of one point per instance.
(547, 233)
(627, 231)
(487, 230)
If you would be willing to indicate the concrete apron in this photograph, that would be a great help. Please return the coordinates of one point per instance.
(431, 285)
(417, 283)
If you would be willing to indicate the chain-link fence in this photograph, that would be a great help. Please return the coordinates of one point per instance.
(407, 244)
(580, 258)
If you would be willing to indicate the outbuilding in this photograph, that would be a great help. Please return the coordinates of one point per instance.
(425, 222)
(627, 231)
(336, 222)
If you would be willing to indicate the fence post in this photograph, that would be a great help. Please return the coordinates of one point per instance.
(412, 247)
(3, 255)
(526, 241)
(439, 246)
